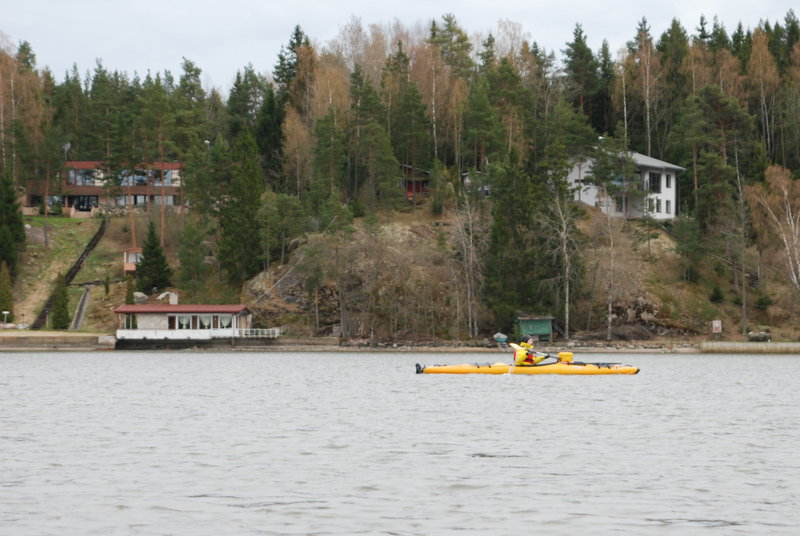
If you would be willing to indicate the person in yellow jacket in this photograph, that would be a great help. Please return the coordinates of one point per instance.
(526, 356)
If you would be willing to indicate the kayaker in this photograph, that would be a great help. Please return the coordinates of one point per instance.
(526, 356)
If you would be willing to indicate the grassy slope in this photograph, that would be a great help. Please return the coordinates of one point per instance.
(66, 239)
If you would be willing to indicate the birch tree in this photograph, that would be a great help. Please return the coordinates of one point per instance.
(558, 219)
(470, 242)
(763, 80)
(776, 210)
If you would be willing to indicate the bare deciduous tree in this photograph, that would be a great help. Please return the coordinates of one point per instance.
(776, 215)
(471, 237)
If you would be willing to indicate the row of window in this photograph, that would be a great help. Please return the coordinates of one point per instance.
(653, 205)
(211, 321)
(189, 321)
(139, 177)
(141, 200)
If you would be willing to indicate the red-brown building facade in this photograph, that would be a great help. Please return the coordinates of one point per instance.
(87, 187)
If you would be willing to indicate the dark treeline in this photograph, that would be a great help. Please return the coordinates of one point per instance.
(328, 134)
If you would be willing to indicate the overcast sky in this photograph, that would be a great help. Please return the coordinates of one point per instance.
(223, 36)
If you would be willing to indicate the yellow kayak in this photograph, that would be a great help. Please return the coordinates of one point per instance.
(552, 368)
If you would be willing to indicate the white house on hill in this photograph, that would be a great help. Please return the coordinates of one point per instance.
(654, 191)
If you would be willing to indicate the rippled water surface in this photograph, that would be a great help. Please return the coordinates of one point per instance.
(289, 443)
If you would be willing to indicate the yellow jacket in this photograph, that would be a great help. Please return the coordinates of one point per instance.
(525, 356)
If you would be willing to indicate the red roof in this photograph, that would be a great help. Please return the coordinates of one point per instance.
(181, 308)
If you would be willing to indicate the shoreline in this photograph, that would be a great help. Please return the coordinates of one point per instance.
(59, 341)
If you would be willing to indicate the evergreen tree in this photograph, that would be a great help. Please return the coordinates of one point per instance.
(269, 138)
(240, 246)
(581, 69)
(6, 294)
(688, 245)
(483, 133)
(59, 316)
(330, 158)
(488, 56)
(191, 255)
(69, 103)
(152, 272)
(454, 46)
(191, 123)
(718, 39)
(245, 101)
(411, 140)
(512, 282)
(288, 62)
(130, 288)
(602, 118)
(281, 218)
(673, 46)
(12, 229)
(713, 131)
(375, 172)
(511, 101)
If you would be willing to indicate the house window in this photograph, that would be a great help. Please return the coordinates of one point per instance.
(668, 206)
(668, 180)
(658, 206)
(80, 177)
(157, 177)
(618, 205)
(637, 180)
(651, 205)
(655, 182)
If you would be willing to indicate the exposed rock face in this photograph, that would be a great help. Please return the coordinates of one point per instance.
(139, 297)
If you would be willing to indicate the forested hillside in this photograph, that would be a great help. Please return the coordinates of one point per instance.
(313, 160)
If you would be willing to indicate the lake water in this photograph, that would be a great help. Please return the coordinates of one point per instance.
(189, 443)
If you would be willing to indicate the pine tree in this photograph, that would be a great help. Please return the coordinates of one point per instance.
(581, 69)
(12, 229)
(6, 295)
(244, 101)
(269, 138)
(153, 271)
(240, 245)
(412, 141)
(59, 316)
(330, 158)
(483, 134)
(511, 279)
(130, 288)
(191, 254)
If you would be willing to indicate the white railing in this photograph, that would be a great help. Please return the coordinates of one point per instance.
(253, 333)
(198, 334)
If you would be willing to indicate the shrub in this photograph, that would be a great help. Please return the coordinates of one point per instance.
(763, 302)
(716, 295)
